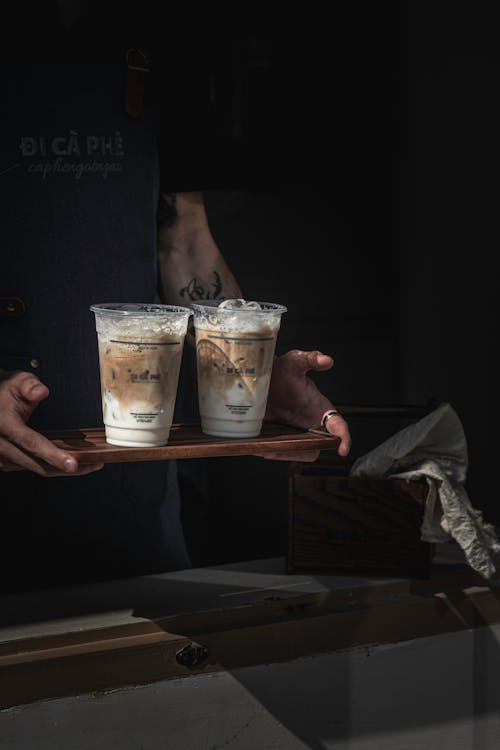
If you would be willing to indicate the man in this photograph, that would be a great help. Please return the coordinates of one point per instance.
(80, 186)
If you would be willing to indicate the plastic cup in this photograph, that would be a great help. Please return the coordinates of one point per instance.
(140, 351)
(234, 358)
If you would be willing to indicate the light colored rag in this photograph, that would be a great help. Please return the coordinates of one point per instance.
(435, 448)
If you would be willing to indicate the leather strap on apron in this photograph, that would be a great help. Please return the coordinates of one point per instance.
(137, 70)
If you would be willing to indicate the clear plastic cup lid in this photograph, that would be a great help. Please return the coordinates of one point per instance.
(251, 307)
(137, 308)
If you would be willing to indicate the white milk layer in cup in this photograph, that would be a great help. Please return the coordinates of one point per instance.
(235, 345)
(140, 351)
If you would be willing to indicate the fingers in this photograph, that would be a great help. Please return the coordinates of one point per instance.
(303, 361)
(29, 387)
(28, 450)
(337, 426)
(319, 361)
(23, 446)
(20, 446)
(21, 462)
(295, 399)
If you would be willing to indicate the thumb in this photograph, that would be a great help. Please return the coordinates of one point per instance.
(319, 361)
(29, 388)
(311, 360)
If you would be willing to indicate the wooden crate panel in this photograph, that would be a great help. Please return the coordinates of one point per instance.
(359, 524)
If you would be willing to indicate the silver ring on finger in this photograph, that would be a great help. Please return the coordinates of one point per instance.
(328, 415)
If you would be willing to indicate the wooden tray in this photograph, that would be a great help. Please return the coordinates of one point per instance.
(188, 441)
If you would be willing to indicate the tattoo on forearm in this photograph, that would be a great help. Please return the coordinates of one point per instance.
(195, 291)
(167, 215)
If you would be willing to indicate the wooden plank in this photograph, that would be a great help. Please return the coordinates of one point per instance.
(99, 660)
(89, 445)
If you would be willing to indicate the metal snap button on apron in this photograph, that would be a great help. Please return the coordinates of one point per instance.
(11, 307)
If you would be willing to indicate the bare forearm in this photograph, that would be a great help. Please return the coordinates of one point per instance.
(191, 265)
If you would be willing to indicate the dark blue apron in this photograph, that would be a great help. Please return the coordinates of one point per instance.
(78, 193)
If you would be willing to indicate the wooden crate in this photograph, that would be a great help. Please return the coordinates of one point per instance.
(342, 523)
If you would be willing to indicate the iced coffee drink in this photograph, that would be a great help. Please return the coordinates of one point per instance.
(235, 345)
(140, 351)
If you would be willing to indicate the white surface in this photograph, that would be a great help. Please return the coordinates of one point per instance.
(141, 599)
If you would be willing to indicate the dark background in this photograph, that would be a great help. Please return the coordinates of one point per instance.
(361, 192)
(349, 162)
